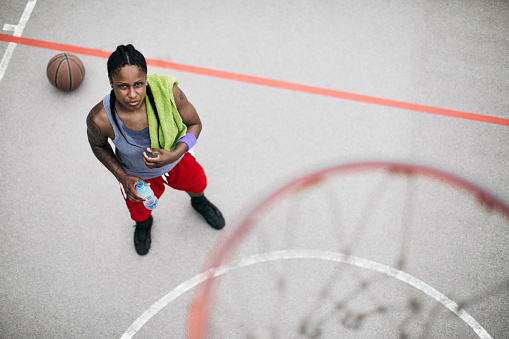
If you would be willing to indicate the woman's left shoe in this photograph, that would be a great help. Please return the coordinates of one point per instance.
(210, 212)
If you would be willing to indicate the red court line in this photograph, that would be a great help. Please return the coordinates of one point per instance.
(263, 81)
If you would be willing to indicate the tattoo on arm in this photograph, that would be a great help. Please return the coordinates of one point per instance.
(182, 96)
(102, 149)
(94, 133)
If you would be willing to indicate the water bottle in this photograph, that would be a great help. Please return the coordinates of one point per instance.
(146, 192)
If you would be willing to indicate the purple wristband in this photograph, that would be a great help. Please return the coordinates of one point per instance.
(188, 139)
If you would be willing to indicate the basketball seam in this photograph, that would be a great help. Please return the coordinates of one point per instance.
(51, 63)
(79, 67)
(56, 58)
(56, 72)
(69, 70)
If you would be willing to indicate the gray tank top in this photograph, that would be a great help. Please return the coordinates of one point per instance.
(129, 150)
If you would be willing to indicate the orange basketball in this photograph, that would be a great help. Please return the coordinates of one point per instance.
(65, 71)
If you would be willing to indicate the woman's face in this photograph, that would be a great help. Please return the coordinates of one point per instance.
(129, 84)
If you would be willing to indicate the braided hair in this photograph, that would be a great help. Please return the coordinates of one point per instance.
(126, 55)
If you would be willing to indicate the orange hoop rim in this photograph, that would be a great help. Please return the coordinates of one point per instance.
(198, 313)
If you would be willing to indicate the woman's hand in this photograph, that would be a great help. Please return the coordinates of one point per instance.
(129, 184)
(162, 156)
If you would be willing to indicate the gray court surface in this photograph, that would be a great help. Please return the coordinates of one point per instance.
(68, 267)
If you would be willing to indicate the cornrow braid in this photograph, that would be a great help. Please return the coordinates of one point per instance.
(112, 106)
(153, 104)
(154, 107)
(125, 55)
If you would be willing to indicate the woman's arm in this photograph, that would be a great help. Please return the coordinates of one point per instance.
(99, 129)
(191, 120)
(187, 112)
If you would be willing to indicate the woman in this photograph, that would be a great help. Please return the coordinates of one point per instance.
(123, 116)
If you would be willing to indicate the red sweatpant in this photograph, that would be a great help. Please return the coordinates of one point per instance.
(187, 176)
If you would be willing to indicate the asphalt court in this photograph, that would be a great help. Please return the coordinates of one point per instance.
(283, 89)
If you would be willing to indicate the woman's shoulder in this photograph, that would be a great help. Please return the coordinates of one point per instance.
(98, 116)
(97, 111)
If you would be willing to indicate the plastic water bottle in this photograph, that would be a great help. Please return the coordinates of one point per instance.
(146, 192)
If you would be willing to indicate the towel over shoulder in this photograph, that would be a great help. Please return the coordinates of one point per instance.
(167, 127)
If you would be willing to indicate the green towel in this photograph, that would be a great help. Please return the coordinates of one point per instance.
(171, 127)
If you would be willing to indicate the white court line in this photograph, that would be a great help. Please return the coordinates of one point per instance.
(18, 31)
(307, 254)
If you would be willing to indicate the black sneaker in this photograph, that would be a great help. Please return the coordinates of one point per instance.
(142, 236)
(210, 212)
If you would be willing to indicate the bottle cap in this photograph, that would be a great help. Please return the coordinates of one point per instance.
(139, 184)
